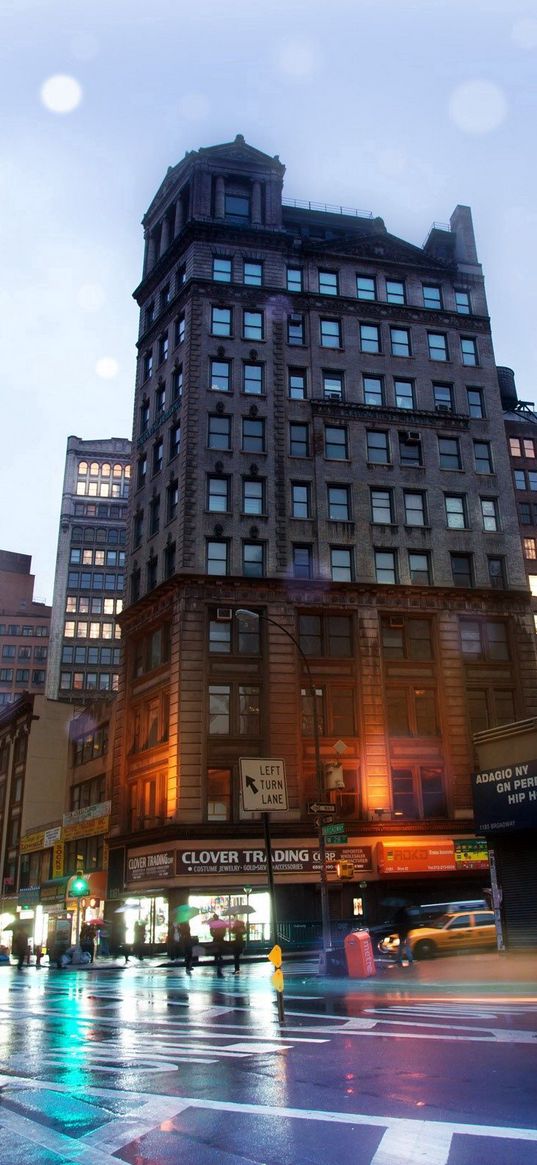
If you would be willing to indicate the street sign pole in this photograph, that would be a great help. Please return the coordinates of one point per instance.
(272, 897)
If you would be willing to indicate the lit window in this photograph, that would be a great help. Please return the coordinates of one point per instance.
(530, 547)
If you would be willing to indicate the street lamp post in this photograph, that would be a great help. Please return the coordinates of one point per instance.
(325, 910)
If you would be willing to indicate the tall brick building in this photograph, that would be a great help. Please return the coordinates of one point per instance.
(318, 439)
(84, 658)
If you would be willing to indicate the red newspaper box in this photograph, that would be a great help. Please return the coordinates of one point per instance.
(359, 955)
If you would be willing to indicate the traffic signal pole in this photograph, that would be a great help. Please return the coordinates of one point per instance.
(273, 914)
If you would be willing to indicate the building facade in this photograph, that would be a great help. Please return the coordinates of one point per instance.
(321, 501)
(34, 734)
(84, 654)
(24, 629)
(521, 430)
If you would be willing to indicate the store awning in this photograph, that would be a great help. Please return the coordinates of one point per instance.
(53, 891)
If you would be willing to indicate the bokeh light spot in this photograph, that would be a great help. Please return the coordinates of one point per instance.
(61, 94)
(477, 107)
(107, 367)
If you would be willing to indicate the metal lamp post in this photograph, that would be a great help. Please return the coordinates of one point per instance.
(325, 910)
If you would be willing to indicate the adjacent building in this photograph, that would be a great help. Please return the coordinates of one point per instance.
(24, 629)
(521, 431)
(84, 655)
(34, 741)
(321, 502)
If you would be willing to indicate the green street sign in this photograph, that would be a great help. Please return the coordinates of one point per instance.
(334, 829)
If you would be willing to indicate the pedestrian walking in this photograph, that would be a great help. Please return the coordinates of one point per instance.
(404, 923)
(87, 941)
(217, 928)
(185, 941)
(238, 935)
(20, 946)
(139, 940)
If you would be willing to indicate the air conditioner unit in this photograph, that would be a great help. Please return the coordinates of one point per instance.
(224, 614)
(396, 621)
(334, 777)
(411, 438)
(442, 408)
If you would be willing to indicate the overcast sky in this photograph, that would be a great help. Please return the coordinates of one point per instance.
(401, 107)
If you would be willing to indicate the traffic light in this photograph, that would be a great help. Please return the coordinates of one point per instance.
(79, 886)
(345, 870)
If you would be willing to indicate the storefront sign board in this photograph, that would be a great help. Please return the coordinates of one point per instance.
(212, 861)
(407, 857)
(506, 798)
(149, 867)
(76, 816)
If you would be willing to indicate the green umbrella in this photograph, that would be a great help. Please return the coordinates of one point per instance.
(184, 913)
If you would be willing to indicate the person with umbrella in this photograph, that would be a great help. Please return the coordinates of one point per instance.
(217, 928)
(238, 934)
(182, 916)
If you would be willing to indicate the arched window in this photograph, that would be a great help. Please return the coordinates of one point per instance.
(105, 470)
(82, 467)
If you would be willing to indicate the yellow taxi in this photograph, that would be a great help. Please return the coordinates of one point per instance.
(469, 931)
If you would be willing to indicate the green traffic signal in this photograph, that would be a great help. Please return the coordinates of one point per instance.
(79, 886)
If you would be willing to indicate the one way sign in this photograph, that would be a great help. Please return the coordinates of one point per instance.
(263, 785)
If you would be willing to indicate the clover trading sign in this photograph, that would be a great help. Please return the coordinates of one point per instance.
(263, 785)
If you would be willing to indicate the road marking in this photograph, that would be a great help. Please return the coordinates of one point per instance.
(405, 1134)
(426, 1144)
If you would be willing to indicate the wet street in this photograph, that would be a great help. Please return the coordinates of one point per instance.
(141, 1064)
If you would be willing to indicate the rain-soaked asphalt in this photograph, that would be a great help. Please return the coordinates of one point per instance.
(145, 1066)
